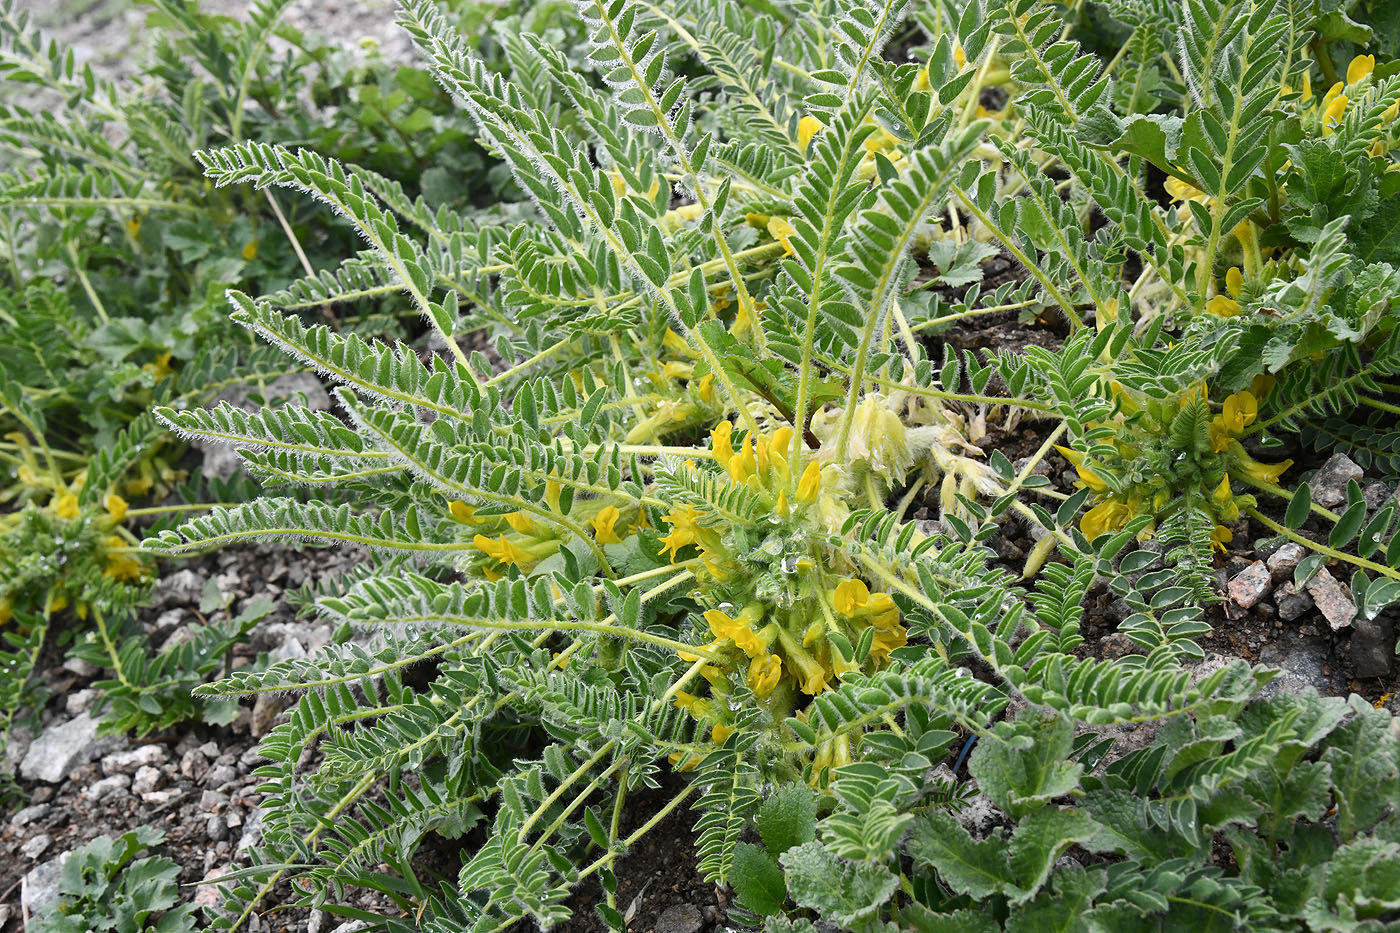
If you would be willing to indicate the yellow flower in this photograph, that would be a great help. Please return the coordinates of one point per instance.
(744, 463)
(65, 504)
(121, 566)
(686, 529)
(780, 230)
(810, 484)
(808, 127)
(720, 443)
(850, 595)
(781, 507)
(707, 387)
(1087, 476)
(1220, 536)
(1334, 104)
(133, 226)
(250, 249)
(115, 505)
(739, 630)
(523, 523)
(1105, 517)
(764, 673)
(603, 525)
(1240, 410)
(503, 550)
(466, 514)
(160, 368)
(1360, 67)
(1222, 306)
(1234, 281)
(720, 732)
(1266, 473)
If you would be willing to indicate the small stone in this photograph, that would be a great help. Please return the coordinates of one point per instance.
(39, 889)
(84, 669)
(133, 759)
(1250, 585)
(35, 847)
(209, 750)
(1291, 602)
(107, 787)
(79, 701)
(680, 918)
(216, 828)
(220, 775)
(211, 896)
(252, 832)
(266, 709)
(1329, 483)
(193, 764)
(351, 926)
(29, 814)
(169, 619)
(161, 797)
(1372, 647)
(1115, 645)
(146, 780)
(181, 588)
(1285, 560)
(1333, 599)
(212, 801)
(60, 749)
(1375, 495)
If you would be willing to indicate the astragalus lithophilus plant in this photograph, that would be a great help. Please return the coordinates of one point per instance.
(668, 525)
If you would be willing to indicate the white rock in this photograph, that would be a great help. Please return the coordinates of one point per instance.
(35, 846)
(107, 787)
(39, 889)
(60, 749)
(146, 780)
(129, 761)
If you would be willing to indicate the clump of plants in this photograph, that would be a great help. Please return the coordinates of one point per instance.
(667, 523)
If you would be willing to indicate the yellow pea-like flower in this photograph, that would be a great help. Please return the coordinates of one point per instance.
(1360, 67)
(810, 485)
(604, 525)
(115, 505)
(808, 127)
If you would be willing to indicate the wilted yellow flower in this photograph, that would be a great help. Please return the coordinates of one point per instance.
(1266, 473)
(780, 230)
(604, 525)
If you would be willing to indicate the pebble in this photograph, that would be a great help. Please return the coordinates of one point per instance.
(1329, 483)
(107, 787)
(146, 780)
(159, 797)
(60, 749)
(1251, 584)
(211, 895)
(1291, 602)
(1372, 647)
(35, 847)
(132, 760)
(29, 814)
(1285, 560)
(216, 828)
(79, 701)
(220, 775)
(212, 801)
(182, 587)
(39, 888)
(194, 765)
(1333, 599)
(84, 669)
(680, 918)
(1375, 495)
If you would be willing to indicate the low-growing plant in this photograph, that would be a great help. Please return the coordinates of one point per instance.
(104, 886)
(669, 519)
